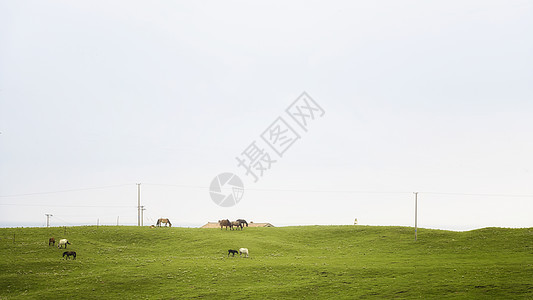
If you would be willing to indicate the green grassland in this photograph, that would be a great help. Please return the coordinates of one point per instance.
(303, 262)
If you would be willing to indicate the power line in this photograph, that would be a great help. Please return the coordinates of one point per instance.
(55, 205)
(285, 190)
(329, 191)
(178, 185)
(474, 194)
(349, 191)
(250, 189)
(65, 191)
(68, 223)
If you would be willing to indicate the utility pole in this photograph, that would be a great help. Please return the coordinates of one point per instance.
(48, 219)
(416, 214)
(138, 204)
(142, 215)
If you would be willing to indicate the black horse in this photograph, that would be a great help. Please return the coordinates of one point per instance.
(232, 252)
(242, 221)
(69, 254)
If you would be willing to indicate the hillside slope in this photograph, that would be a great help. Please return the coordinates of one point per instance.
(312, 262)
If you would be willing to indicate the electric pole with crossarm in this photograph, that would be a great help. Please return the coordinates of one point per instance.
(48, 219)
(138, 204)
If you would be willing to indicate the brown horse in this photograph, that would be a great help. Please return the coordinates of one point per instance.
(226, 223)
(51, 241)
(236, 225)
(166, 221)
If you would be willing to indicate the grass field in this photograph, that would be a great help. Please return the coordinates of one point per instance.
(313, 262)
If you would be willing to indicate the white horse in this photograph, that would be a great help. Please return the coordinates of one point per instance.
(243, 251)
(63, 242)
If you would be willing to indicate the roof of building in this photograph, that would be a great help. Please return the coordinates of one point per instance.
(211, 225)
(251, 224)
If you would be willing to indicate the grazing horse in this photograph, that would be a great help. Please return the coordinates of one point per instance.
(226, 223)
(236, 224)
(51, 241)
(166, 221)
(243, 251)
(242, 221)
(232, 252)
(63, 242)
(68, 254)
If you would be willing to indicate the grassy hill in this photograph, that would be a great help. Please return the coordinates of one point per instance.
(344, 262)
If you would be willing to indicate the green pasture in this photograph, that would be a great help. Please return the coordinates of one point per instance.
(307, 262)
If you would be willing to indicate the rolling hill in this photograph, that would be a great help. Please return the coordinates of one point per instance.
(314, 262)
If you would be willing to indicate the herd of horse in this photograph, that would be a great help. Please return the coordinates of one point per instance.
(233, 225)
(240, 252)
(237, 224)
(60, 244)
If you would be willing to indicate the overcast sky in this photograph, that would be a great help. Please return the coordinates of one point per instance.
(427, 96)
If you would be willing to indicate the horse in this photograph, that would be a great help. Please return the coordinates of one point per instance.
(236, 224)
(166, 221)
(69, 254)
(243, 251)
(226, 223)
(51, 241)
(232, 252)
(242, 221)
(63, 242)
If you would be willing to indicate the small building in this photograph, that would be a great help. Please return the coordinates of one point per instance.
(251, 224)
(211, 225)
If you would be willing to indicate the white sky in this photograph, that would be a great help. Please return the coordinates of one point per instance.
(428, 96)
